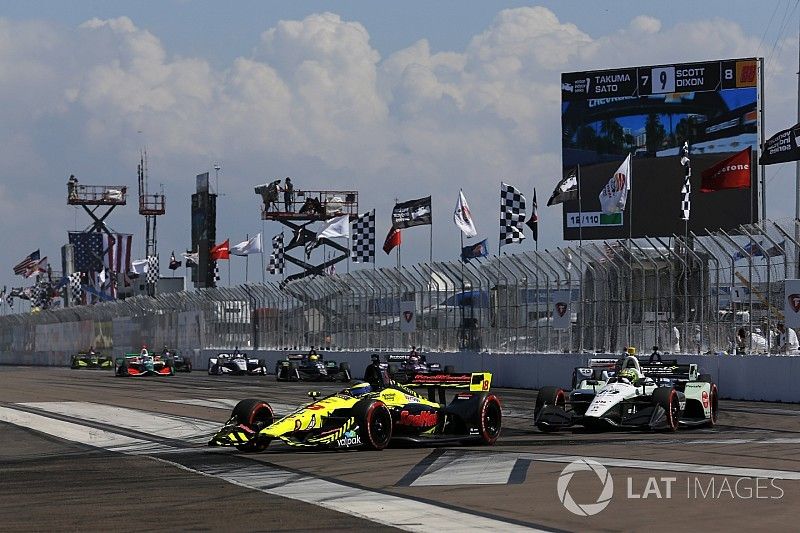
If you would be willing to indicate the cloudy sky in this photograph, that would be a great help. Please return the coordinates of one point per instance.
(394, 99)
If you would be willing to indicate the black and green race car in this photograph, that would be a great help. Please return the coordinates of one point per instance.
(91, 359)
(371, 415)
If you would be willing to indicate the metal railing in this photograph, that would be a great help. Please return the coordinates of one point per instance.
(603, 296)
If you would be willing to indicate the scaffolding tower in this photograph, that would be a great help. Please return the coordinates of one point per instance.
(300, 208)
(151, 206)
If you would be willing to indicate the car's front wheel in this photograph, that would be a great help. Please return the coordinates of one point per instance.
(256, 415)
(667, 399)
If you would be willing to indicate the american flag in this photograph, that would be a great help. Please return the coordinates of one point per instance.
(93, 251)
(22, 267)
(36, 268)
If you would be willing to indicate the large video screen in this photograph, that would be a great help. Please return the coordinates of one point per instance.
(649, 112)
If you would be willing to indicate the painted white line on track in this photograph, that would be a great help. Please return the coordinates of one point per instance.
(395, 511)
(78, 433)
(666, 465)
(390, 510)
(175, 427)
(469, 469)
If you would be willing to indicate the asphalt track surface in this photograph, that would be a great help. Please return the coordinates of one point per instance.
(84, 450)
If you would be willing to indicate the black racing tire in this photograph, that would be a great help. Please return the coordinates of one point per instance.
(491, 419)
(211, 368)
(188, 366)
(714, 404)
(255, 414)
(549, 396)
(293, 373)
(121, 370)
(393, 368)
(667, 398)
(344, 366)
(449, 369)
(374, 422)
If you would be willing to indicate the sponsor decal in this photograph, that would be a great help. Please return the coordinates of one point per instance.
(704, 398)
(297, 424)
(423, 419)
(389, 396)
(349, 439)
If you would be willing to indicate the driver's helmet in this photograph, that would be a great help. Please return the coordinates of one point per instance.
(360, 389)
(313, 357)
(630, 374)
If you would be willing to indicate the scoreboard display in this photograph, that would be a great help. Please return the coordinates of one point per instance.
(649, 112)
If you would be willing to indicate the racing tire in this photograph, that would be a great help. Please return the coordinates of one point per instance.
(374, 422)
(713, 400)
(293, 373)
(667, 398)
(490, 419)
(392, 368)
(188, 366)
(256, 415)
(449, 369)
(121, 370)
(554, 396)
(211, 370)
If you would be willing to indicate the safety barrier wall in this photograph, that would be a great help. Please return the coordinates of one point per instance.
(747, 377)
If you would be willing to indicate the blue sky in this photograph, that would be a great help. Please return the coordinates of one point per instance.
(396, 99)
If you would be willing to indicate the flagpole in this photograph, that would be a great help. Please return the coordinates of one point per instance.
(263, 270)
(431, 238)
(580, 211)
(246, 260)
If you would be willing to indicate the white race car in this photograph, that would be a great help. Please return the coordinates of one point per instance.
(236, 363)
(626, 394)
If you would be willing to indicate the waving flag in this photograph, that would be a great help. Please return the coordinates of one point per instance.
(22, 267)
(533, 222)
(174, 264)
(473, 251)
(220, 251)
(462, 216)
(251, 246)
(393, 239)
(730, 173)
(614, 195)
(566, 189)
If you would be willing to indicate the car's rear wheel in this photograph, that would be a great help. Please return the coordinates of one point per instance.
(188, 365)
(667, 398)
(491, 419)
(374, 423)
(294, 372)
(256, 415)
(548, 396)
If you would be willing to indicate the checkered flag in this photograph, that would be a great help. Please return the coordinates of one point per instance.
(363, 245)
(512, 214)
(686, 190)
(75, 288)
(152, 270)
(276, 260)
(10, 299)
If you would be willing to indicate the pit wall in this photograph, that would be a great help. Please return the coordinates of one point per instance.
(739, 377)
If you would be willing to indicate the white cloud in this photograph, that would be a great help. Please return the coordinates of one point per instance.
(316, 101)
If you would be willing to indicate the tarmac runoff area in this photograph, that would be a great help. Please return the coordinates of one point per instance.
(84, 450)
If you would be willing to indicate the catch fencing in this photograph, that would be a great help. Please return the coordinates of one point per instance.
(601, 296)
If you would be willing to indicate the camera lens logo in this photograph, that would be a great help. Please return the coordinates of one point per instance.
(585, 509)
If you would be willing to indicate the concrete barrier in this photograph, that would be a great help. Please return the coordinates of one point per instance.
(739, 377)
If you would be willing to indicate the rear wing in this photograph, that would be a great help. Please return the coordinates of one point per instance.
(597, 369)
(475, 381)
(295, 356)
(671, 369)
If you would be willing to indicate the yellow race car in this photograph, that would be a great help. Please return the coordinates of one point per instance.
(371, 415)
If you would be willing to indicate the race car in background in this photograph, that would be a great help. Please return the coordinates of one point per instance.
(236, 363)
(180, 363)
(403, 367)
(626, 394)
(373, 415)
(91, 360)
(305, 367)
(143, 364)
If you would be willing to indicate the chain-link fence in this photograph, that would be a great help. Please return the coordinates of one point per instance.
(602, 296)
